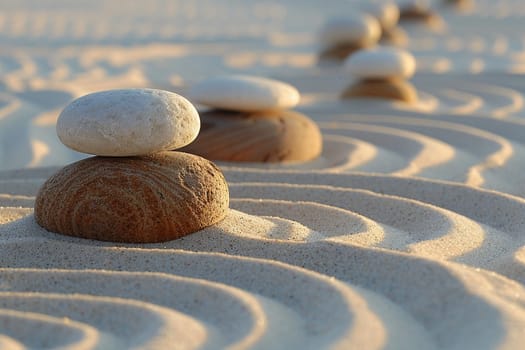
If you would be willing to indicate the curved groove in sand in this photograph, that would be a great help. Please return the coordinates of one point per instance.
(128, 323)
(10, 106)
(480, 150)
(480, 307)
(436, 232)
(509, 101)
(238, 317)
(421, 151)
(22, 329)
(480, 211)
(358, 154)
(343, 224)
(340, 314)
(465, 200)
(467, 103)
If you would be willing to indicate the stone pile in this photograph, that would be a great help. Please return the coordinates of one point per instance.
(135, 189)
(250, 121)
(387, 14)
(340, 37)
(382, 72)
(419, 11)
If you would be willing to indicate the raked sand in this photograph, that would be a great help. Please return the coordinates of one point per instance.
(407, 233)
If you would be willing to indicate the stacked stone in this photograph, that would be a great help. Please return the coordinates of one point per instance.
(340, 37)
(387, 14)
(135, 189)
(250, 121)
(419, 11)
(382, 72)
(460, 4)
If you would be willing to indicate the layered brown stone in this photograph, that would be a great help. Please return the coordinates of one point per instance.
(135, 199)
(460, 4)
(419, 14)
(394, 36)
(276, 136)
(394, 89)
(341, 51)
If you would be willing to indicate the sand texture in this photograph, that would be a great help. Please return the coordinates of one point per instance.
(407, 232)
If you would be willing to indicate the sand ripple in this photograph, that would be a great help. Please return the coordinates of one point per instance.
(352, 255)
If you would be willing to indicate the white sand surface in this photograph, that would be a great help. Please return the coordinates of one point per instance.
(407, 233)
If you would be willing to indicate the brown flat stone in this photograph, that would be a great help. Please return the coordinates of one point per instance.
(340, 52)
(278, 136)
(423, 15)
(386, 89)
(460, 4)
(134, 199)
(394, 36)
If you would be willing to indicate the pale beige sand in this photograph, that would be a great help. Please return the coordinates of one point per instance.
(407, 232)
